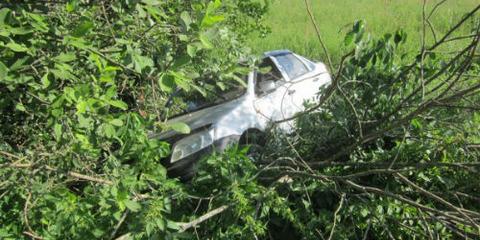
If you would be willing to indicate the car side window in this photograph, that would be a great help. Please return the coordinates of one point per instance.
(267, 77)
(291, 65)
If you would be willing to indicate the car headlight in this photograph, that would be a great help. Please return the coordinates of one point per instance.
(191, 145)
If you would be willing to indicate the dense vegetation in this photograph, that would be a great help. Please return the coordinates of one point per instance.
(390, 150)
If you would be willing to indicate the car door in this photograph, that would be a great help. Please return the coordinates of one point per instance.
(298, 88)
(269, 102)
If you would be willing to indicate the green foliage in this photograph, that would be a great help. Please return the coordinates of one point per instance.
(231, 178)
(388, 116)
(83, 84)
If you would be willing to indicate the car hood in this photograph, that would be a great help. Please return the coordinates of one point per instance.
(201, 118)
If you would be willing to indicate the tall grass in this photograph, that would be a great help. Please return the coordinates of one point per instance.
(292, 29)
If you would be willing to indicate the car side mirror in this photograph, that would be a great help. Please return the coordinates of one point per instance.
(267, 86)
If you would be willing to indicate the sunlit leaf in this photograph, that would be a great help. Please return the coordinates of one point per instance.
(16, 47)
(132, 205)
(118, 104)
(180, 127)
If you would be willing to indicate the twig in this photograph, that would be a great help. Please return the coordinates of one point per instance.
(194, 223)
(120, 222)
(422, 60)
(25, 217)
(355, 112)
(89, 178)
(32, 235)
(335, 216)
(69, 173)
(317, 30)
(436, 198)
(405, 200)
(427, 228)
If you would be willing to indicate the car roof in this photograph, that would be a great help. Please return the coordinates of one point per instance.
(276, 53)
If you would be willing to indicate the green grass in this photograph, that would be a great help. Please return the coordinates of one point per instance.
(292, 29)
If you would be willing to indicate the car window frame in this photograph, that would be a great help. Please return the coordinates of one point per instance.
(278, 83)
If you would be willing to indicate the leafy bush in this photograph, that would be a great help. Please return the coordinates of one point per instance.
(83, 83)
(394, 150)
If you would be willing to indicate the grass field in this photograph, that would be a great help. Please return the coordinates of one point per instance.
(292, 29)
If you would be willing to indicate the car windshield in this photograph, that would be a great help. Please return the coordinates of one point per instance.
(186, 102)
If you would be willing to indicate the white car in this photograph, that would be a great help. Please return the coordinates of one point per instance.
(245, 110)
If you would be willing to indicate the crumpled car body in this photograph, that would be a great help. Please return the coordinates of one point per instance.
(269, 97)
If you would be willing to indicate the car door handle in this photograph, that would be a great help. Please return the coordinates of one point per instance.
(316, 79)
(290, 92)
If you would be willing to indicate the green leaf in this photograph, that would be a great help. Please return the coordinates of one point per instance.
(109, 130)
(65, 57)
(116, 122)
(200, 90)
(20, 107)
(400, 37)
(167, 83)
(205, 41)
(349, 38)
(191, 50)
(83, 28)
(239, 80)
(63, 71)
(3, 71)
(111, 92)
(180, 127)
(209, 21)
(151, 2)
(173, 225)
(45, 81)
(132, 205)
(79, 43)
(364, 212)
(83, 122)
(185, 20)
(119, 104)
(16, 47)
(141, 62)
(20, 63)
(71, 5)
(20, 31)
(3, 15)
(180, 80)
(416, 124)
(81, 107)
(160, 224)
(57, 131)
(38, 22)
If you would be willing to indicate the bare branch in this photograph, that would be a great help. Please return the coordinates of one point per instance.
(203, 218)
